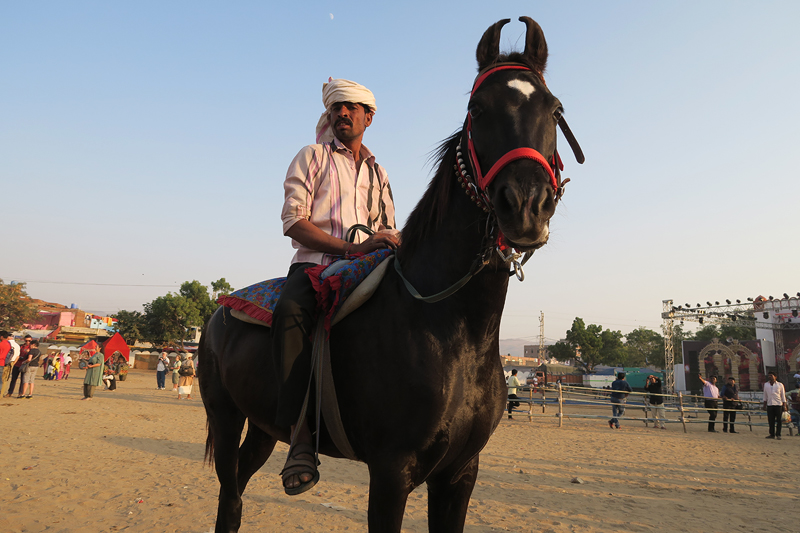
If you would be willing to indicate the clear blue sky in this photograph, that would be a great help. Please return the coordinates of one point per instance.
(143, 144)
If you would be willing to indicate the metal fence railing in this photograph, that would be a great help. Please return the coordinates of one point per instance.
(686, 408)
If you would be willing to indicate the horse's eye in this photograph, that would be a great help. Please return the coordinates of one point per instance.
(474, 111)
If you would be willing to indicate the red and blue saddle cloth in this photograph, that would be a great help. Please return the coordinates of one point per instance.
(333, 283)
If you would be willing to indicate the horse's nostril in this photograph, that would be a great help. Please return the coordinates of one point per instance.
(509, 200)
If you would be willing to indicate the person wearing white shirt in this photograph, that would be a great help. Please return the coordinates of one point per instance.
(774, 404)
(711, 394)
(513, 383)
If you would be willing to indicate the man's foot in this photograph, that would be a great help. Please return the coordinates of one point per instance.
(778, 437)
(770, 437)
(611, 424)
(510, 417)
(7, 395)
(724, 430)
(732, 431)
(300, 471)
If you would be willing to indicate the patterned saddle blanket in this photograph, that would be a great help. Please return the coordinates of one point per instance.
(341, 288)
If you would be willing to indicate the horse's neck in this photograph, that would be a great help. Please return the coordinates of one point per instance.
(449, 250)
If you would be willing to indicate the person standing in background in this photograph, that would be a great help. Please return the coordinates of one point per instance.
(33, 361)
(16, 369)
(619, 396)
(94, 375)
(654, 387)
(176, 377)
(161, 371)
(711, 395)
(513, 383)
(774, 404)
(11, 358)
(730, 397)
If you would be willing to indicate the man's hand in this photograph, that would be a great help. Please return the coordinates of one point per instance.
(382, 239)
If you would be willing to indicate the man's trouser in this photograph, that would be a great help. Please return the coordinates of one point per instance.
(774, 419)
(15, 374)
(712, 406)
(6, 375)
(292, 329)
(728, 416)
(617, 410)
(512, 405)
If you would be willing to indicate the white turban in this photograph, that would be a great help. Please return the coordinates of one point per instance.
(341, 91)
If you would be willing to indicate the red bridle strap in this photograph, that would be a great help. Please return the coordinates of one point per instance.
(513, 155)
(491, 71)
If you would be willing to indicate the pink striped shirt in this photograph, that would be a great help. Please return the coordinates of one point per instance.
(324, 187)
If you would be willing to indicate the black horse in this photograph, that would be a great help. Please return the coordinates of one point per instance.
(447, 392)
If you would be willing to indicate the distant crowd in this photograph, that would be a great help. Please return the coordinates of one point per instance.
(21, 364)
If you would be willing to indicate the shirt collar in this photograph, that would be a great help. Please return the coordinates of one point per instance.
(366, 153)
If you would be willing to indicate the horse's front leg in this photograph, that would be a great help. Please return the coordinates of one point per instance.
(389, 487)
(448, 498)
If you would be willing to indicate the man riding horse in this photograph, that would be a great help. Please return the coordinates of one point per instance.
(330, 187)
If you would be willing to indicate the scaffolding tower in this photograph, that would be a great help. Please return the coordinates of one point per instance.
(740, 314)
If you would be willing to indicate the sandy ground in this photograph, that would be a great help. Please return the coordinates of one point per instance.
(131, 460)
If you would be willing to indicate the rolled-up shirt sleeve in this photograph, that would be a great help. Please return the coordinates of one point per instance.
(298, 187)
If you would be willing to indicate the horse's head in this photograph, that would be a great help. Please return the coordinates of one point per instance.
(510, 137)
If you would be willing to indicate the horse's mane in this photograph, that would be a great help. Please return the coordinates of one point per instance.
(433, 205)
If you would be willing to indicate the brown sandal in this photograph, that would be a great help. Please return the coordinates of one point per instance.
(295, 467)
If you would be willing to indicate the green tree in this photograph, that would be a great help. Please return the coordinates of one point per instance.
(596, 346)
(733, 331)
(169, 317)
(197, 295)
(645, 347)
(587, 340)
(16, 307)
(706, 333)
(612, 351)
(561, 351)
(219, 288)
(131, 325)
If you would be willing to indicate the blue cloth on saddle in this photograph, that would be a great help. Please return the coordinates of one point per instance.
(334, 283)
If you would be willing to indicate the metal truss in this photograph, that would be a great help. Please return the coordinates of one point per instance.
(736, 314)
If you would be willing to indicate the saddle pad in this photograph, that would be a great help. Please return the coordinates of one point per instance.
(335, 284)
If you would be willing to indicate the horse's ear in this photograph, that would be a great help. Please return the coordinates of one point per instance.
(535, 44)
(489, 47)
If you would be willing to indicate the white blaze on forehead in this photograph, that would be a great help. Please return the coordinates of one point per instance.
(525, 87)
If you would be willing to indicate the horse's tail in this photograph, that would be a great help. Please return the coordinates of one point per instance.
(205, 371)
(208, 457)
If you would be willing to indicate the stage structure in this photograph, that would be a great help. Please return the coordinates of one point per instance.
(773, 319)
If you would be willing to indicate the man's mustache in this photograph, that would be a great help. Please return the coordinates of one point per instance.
(344, 121)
